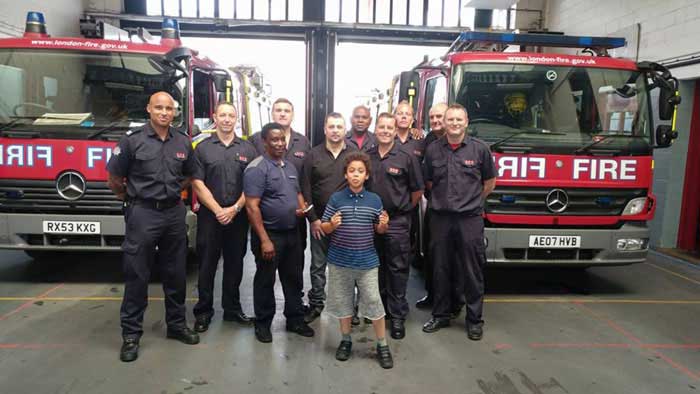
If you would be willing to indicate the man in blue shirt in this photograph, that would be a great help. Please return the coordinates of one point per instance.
(274, 203)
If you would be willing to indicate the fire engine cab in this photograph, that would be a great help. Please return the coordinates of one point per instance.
(572, 137)
(65, 104)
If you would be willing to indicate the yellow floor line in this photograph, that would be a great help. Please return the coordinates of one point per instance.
(526, 300)
(675, 274)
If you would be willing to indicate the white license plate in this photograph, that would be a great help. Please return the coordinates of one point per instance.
(555, 241)
(61, 227)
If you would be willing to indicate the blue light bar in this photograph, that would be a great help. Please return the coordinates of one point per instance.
(35, 17)
(544, 40)
(170, 29)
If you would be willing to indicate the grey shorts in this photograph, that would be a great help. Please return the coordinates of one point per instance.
(341, 292)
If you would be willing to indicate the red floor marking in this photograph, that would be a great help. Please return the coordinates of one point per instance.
(628, 335)
(501, 346)
(30, 302)
(33, 346)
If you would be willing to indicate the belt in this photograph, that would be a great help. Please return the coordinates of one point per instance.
(156, 204)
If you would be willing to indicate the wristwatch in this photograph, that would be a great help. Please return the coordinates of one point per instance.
(237, 208)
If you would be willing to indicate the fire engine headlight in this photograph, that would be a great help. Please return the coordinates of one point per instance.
(629, 244)
(635, 206)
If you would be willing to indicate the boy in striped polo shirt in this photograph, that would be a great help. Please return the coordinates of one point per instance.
(352, 216)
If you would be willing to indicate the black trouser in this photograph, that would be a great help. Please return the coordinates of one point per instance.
(146, 228)
(394, 249)
(289, 260)
(458, 243)
(213, 238)
(457, 279)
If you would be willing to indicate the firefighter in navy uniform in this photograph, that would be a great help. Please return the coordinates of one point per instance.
(397, 179)
(460, 173)
(148, 170)
(222, 223)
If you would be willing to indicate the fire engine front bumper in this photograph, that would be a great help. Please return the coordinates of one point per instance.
(511, 246)
(23, 231)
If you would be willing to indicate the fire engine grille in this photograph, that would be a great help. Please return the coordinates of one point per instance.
(550, 254)
(33, 196)
(581, 202)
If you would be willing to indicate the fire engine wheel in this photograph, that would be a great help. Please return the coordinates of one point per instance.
(26, 104)
(38, 254)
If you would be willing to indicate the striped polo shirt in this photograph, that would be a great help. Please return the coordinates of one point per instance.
(352, 243)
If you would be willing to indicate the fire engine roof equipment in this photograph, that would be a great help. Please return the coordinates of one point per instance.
(481, 41)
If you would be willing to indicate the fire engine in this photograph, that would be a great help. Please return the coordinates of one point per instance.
(571, 136)
(65, 104)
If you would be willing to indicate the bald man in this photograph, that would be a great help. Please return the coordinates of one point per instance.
(148, 170)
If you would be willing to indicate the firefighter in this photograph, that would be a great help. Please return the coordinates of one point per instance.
(148, 170)
(222, 224)
(397, 179)
(460, 173)
(273, 197)
(437, 131)
(323, 175)
(410, 139)
(359, 136)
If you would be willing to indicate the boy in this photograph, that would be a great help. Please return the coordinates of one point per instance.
(352, 216)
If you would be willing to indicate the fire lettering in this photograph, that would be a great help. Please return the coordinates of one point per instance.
(519, 167)
(605, 169)
(25, 155)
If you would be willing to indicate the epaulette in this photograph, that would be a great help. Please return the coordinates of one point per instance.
(134, 131)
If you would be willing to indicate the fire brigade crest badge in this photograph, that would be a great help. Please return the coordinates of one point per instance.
(116, 151)
(180, 155)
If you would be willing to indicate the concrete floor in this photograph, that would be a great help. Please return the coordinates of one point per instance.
(607, 330)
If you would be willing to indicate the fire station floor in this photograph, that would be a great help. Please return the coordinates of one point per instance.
(615, 330)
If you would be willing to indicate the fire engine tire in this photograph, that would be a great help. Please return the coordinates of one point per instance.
(38, 254)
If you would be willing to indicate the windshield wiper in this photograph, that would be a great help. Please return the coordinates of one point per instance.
(587, 148)
(110, 127)
(523, 132)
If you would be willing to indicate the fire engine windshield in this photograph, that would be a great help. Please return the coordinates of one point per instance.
(66, 94)
(549, 109)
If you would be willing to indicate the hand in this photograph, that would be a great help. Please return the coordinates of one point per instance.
(299, 213)
(337, 220)
(268, 250)
(384, 218)
(316, 231)
(416, 133)
(225, 215)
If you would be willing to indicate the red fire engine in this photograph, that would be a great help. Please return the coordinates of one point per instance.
(65, 104)
(572, 139)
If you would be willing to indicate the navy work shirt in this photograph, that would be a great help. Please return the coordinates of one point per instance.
(277, 186)
(297, 150)
(458, 175)
(413, 146)
(394, 177)
(221, 167)
(369, 142)
(323, 175)
(154, 169)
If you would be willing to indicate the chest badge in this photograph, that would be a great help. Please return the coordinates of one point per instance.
(470, 163)
(299, 154)
(418, 152)
(180, 155)
(242, 158)
(394, 170)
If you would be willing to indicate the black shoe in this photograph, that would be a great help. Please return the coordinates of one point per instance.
(201, 323)
(425, 302)
(302, 329)
(355, 321)
(384, 357)
(313, 314)
(263, 334)
(475, 332)
(344, 351)
(398, 330)
(455, 313)
(238, 317)
(184, 335)
(435, 324)
(130, 350)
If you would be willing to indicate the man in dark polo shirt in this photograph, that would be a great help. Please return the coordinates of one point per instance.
(460, 173)
(397, 179)
(359, 136)
(222, 223)
(409, 139)
(148, 170)
(323, 175)
(297, 145)
(274, 203)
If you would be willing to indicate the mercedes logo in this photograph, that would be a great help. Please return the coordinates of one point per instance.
(557, 200)
(551, 75)
(70, 185)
